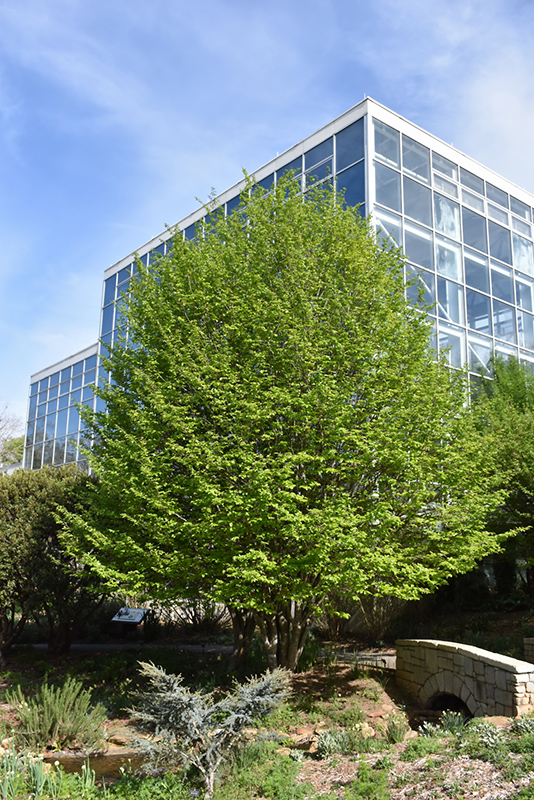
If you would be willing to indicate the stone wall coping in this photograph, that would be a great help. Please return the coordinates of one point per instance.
(494, 659)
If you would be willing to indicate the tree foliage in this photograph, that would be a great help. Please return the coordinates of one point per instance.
(37, 577)
(280, 429)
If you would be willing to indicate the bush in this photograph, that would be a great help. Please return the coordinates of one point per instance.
(331, 743)
(58, 717)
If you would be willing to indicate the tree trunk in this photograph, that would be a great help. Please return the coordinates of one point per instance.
(9, 631)
(283, 634)
(244, 625)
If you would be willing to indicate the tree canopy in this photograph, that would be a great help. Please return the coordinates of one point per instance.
(277, 426)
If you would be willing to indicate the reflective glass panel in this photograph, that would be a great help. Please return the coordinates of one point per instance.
(452, 344)
(387, 143)
(471, 181)
(156, 252)
(418, 245)
(90, 363)
(388, 227)
(29, 433)
(266, 183)
(37, 457)
(473, 201)
(519, 208)
(75, 397)
(76, 382)
(448, 258)
(352, 180)
(50, 426)
(502, 283)
(450, 301)
(474, 230)
(48, 452)
(33, 406)
(53, 392)
(51, 406)
(64, 387)
(100, 405)
(499, 242)
(61, 427)
(318, 173)
(525, 329)
(478, 311)
(524, 288)
(521, 227)
(443, 185)
(417, 201)
(63, 401)
(59, 451)
(77, 368)
(74, 420)
(39, 429)
(416, 159)
(498, 214)
(107, 319)
(447, 216)
(42, 396)
(504, 321)
(70, 452)
(87, 393)
(420, 287)
(43, 384)
(65, 374)
(349, 145)
(496, 195)
(109, 289)
(388, 187)
(190, 231)
(54, 379)
(479, 351)
(523, 258)
(41, 409)
(446, 167)
(318, 153)
(89, 377)
(34, 388)
(295, 166)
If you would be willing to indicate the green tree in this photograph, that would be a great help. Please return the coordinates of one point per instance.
(506, 412)
(279, 428)
(37, 577)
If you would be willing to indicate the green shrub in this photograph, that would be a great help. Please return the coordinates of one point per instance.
(452, 722)
(371, 785)
(58, 717)
(418, 748)
(331, 743)
(396, 728)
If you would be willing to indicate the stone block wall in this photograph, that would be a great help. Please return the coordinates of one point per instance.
(488, 683)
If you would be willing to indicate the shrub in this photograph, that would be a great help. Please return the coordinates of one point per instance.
(58, 716)
(331, 743)
(197, 730)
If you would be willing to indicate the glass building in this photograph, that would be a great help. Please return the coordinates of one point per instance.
(466, 233)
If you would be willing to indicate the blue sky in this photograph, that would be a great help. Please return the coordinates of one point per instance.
(115, 116)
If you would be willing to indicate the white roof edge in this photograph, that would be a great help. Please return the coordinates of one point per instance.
(65, 362)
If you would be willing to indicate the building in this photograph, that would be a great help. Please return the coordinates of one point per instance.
(466, 233)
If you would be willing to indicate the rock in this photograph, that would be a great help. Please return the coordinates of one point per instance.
(283, 751)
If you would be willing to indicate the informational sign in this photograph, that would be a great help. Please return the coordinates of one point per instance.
(134, 615)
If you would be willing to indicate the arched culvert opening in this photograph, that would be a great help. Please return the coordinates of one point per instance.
(448, 702)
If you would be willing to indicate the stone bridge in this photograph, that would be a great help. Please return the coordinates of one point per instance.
(450, 675)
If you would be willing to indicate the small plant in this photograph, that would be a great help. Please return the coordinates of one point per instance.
(452, 722)
(194, 729)
(523, 725)
(396, 728)
(331, 743)
(430, 729)
(58, 716)
(371, 785)
(418, 748)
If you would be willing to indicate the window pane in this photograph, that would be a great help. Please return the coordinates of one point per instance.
(417, 201)
(51, 406)
(504, 321)
(37, 457)
(499, 240)
(387, 143)
(453, 340)
(76, 382)
(418, 245)
(474, 230)
(416, 159)
(29, 433)
(294, 166)
(107, 319)
(525, 293)
(478, 311)
(496, 195)
(519, 208)
(446, 167)
(74, 420)
(319, 153)
(448, 258)
(266, 183)
(471, 181)
(34, 388)
(387, 187)
(388, 227)
(498, 214)
(59, 451)
(523, 258)
(39, 429)
(471, 200)
(318, 173)
(479, 355)
(352, 180)
(43, 384)
(443, 185)
(50, 426)
(502, 283)
(450, 301)
(33, 406)
(54, 379)
(525, 329)
(70, 454)
(61, 427)
(349, 145)
(447, 216)
(419, 280)
(109, 290)
(52, 392)
(521, 227)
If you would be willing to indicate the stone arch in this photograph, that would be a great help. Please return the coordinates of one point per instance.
(447, 683)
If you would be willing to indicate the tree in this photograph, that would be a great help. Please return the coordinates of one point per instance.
(506, 413)
(11, 443)
(278, 428)
(37, 577)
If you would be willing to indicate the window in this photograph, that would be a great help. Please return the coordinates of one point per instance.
(416, 159)
(523, 258)
(448, 258)
(418, 245)
(447, 216)
(387, 143)
(349, 145)
(388, 188)
(474, 227)
(417, 201)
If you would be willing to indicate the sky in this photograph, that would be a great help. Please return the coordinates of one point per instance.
(118, 116)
